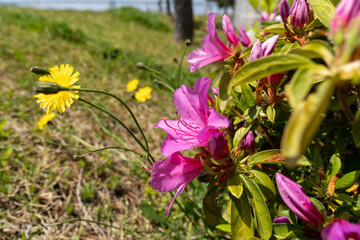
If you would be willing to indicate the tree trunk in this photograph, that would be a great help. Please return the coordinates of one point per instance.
(168, 11)
(183, 28)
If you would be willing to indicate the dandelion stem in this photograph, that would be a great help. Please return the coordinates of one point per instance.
(180, 65)
(121, 123)
(124, 104)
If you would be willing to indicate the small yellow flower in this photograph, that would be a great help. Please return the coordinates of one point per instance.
(64, 78)
(143, 94)
(132, 85)
(45, 119)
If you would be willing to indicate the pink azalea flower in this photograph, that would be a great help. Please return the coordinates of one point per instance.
(295, 198)
(213, 49)
(174, 173)
(345, 12)
(194, 119)
(341, 230)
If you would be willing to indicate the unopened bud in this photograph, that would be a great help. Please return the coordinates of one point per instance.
(140, 65)
(187, 42)
(39, 71)
(284, 11)
(47, 87)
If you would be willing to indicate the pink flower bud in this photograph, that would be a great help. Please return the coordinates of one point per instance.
(295, 198)
(243, 38)
(299, 13)
(345, 12)
(248, 141)
(284, 11)
(284, 219)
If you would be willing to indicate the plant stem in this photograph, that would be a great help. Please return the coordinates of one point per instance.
(120, 122)
(160, 74)
(123, 103)
(180, 66)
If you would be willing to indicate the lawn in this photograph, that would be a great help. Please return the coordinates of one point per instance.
(44, 178)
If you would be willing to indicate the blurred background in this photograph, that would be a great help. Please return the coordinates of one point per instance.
(200, 7)
(41, 179)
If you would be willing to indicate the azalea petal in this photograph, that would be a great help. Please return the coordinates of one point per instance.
(217, 120)
(174, 172)
(178, 192)
(244, 39)
(201, 86)
(256, 51)
(192, 105)
(175, 144)
(268, 45)
(199, 58)
(229, 30)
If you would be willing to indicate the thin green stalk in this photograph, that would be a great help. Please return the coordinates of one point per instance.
(180, 65)
(105, 148)
(164, 84)
(121, 123)
(123, 103)
(160, 74)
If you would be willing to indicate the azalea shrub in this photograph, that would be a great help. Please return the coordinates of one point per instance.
(273, 132)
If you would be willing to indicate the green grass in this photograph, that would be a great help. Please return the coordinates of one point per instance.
(40, 180)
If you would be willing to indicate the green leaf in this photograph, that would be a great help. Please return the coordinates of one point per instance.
(266, 66)
(249, 96)
(235, 186)
(314, 24)
(347, 180)
(318, 161)
(334, 166)
(305, 121)
(224, 227)
(301, 83)
(239, 134)
(270, 113)
(275, 28)
(252, 113)
(264, 157)
(211, 211)
(223, 94)
(316, 49)
(323, 10)
(282, 230)
(262, 214)
(242, 226)
(265, 184)
(356, 129)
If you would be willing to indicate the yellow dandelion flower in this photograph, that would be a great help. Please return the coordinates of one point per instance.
(64, 78)
(45, 119)
(132, 85)
(143, 93)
